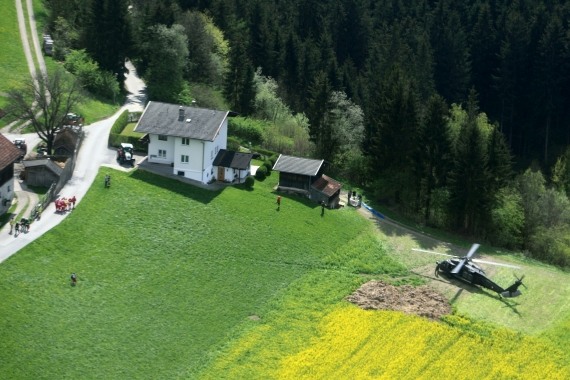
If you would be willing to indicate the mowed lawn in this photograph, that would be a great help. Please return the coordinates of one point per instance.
(180, 282)
(166, 273)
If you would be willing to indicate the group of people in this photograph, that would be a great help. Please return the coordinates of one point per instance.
(65, 204)
(19, 226)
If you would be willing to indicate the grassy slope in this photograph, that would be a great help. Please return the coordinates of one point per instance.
(547, 293)
(13, 68)
(163, 279)
(177, 280)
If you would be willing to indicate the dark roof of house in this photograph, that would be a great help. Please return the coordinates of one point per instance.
(181, 121)
(66, 138)
(298, 165)
(326, 185)
(8, 152)
(231, 159)
(49, 164)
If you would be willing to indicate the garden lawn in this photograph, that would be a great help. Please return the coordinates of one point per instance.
(166, 273)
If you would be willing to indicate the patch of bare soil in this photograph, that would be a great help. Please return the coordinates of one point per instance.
(419, 300)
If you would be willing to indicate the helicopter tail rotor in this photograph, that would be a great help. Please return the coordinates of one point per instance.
(513, 290)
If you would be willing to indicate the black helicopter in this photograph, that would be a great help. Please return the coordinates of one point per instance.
(465, 269)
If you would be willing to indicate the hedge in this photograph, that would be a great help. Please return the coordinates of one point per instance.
(115, 137)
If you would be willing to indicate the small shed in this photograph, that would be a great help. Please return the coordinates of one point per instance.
(42, 172)
(297, 174)
(65, 142)
(327, 190)
(232, 166)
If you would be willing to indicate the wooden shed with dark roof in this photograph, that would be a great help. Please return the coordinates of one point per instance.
(65, 142)
(232, 166)
(296, 173)
(43, 172)
(9, 154)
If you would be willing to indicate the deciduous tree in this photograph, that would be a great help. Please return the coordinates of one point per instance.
(44, 102)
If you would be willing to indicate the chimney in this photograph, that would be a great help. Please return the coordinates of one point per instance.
(181, 114)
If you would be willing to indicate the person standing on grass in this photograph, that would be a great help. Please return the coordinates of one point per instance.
(278, 202)
(73, 279)
(323, 208)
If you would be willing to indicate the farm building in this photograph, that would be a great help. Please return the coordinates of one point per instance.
(9, 154)
(232, 166)
(65, 142)
(325, 189)
(186, 138)
(42, 172)
(305, 176)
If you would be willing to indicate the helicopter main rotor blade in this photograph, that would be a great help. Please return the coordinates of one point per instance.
(472, 251)
(435, 253)
(496, 264)
(459, 266)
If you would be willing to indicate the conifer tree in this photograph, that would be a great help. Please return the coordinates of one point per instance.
(468, 203)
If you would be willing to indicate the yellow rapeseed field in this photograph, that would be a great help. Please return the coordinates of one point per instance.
(356, 344)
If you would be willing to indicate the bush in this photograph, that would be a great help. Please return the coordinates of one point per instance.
(249, 130)
(249, 181)
(261, 173)
(95, 80)
(268, 165)
(267, 153)
(233, 144)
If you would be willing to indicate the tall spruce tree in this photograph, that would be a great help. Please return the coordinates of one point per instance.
(435, 152)
(468, 202)
(395, 140)
(107, 34)
(319, 130)
(239, 85)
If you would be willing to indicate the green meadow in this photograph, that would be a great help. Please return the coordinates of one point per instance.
(166, 272)
(176, 281)
(13, 67)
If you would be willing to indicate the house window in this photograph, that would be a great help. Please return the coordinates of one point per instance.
(185, 141)
(184, 158)
(162, 153)
(163, 137)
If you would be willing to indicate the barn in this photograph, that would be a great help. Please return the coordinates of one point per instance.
(305, 176)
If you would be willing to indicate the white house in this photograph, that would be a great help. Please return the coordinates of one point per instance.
(185, 137)
(8, 155)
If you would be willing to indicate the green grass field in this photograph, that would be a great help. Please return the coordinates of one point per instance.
(176, 281)
(13, 67)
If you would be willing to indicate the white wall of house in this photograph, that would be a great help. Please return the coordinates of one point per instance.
(6, 195)
(231, 174)
(188, 158)
(160, 151)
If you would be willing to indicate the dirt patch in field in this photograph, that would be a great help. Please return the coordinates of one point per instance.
(419, 300)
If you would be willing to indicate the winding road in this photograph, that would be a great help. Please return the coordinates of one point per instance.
(93, 153)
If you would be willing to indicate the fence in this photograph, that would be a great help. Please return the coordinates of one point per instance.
(56, 187)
